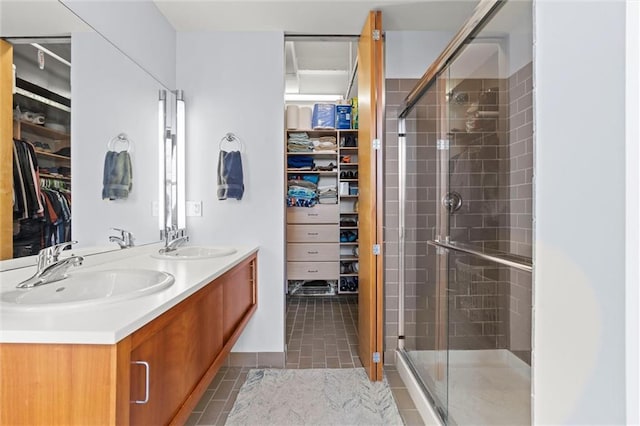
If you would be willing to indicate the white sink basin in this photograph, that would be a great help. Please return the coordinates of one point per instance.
(88, 288)
(194, 252)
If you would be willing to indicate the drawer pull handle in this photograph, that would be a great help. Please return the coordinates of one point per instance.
(312, 252)
(146, 382)
(312, 233)
(312, 214)
(312, 271)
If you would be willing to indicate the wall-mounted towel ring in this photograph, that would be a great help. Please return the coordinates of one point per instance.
(120, 139)
(234, 143)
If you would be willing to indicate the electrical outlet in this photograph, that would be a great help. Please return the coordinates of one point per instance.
(194, 208)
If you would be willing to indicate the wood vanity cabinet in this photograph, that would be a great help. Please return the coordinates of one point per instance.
(176, 354)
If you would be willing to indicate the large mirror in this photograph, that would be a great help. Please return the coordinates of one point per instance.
(84, 107)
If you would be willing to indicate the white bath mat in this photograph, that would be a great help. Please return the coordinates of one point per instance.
(313, 397)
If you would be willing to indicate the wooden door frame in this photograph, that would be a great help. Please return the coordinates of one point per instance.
(6, 150)
(370, 212)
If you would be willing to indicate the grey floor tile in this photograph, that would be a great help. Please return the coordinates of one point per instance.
(411, 418)
(403, 400)
(202, 404)
(193, 419)
(224, 390)
(211, 414)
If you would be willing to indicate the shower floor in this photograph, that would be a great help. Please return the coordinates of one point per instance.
(486, 387)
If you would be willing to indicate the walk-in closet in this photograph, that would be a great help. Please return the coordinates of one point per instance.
(321, 159)
(41, 144)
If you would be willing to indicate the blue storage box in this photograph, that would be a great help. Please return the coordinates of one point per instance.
(324, 116)
(343, 116)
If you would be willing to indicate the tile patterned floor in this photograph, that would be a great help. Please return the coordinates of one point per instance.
(321, 333)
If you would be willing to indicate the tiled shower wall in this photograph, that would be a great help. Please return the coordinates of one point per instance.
(520, 86)
(396, 91)
(487, 167)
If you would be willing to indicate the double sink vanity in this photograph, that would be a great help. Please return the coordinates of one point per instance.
(132, 336)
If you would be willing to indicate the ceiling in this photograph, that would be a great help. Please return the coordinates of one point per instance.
(312, 66)
(316, 67)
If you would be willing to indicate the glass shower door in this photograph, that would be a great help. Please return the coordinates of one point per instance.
(423, 270)
(485, 222)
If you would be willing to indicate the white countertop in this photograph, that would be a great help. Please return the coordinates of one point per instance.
(108, 323)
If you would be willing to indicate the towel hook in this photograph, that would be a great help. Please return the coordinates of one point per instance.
(231, 138)
(121, 138)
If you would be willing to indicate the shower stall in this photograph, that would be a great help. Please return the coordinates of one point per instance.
(465, 167)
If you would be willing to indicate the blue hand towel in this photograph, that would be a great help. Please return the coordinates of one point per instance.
(230, 178)
(117, 177)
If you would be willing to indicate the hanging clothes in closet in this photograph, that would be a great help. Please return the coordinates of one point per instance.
(35, 227)
(27, 206)
(57, 214)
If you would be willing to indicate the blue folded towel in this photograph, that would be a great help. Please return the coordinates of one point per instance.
(301, 161)
(230, 177)
(117, 176)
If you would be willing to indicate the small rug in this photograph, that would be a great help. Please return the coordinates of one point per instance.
(313, 397)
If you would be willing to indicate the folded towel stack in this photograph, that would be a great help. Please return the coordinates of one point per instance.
(230, 175)
(328, 194)
(302, 162)
(118, 176)
(325, 143)
(302, 193)
(299, 142)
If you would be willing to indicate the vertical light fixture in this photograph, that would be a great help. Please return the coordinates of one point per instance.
(162, 124)
(181, 166)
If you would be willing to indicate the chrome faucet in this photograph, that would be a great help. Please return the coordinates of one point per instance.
(50, 268)
(173, 240)
(125, 239)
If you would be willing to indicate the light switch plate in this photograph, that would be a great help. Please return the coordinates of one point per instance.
(155, 210)
(194, 208)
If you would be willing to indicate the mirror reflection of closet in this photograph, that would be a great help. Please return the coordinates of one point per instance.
(111, 95)
(42, 139)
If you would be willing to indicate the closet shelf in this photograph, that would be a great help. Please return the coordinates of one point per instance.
(42, 131)
(349, 196)
(349, 259)
(51, 155)
(48, 176)
(311, 172)
(314, 153)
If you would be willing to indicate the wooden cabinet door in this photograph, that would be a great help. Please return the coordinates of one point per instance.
(178, 350)
(239, 296)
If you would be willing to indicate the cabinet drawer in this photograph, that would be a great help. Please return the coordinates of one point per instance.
(312, 233)
(313, 252)
(321, 213)
(313, 270)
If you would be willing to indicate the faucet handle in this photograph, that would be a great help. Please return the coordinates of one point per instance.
(127, 236)
(55, 250)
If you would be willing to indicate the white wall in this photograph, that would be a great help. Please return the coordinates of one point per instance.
(633, 213)
(408, 54)
(234, 82)
(111, 95)
(579, 325)
(138, 29)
